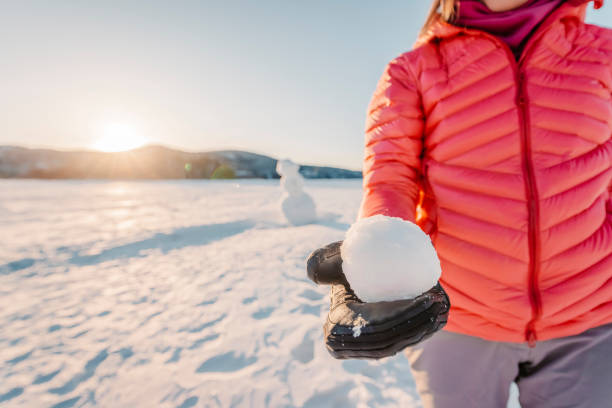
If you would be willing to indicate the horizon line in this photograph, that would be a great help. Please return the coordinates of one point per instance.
(165, 146)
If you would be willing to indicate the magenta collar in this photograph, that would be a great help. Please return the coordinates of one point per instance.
(513, 26)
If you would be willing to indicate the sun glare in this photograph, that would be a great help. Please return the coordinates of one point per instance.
(118, 137)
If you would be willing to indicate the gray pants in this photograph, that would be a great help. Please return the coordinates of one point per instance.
(459, 371)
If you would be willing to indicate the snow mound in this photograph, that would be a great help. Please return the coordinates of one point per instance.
(387, 258)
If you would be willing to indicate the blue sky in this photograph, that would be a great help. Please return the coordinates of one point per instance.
(284, 78)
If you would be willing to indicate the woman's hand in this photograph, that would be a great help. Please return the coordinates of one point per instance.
(355, 329)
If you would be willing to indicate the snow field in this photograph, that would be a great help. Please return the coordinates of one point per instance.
(173, 294)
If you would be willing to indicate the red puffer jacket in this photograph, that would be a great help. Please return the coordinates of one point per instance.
(508, 167)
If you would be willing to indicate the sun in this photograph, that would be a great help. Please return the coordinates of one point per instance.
(118, 137)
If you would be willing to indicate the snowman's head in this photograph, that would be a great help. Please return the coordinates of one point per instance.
(287, 168)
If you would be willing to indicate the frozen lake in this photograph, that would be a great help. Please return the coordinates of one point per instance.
(173, 294)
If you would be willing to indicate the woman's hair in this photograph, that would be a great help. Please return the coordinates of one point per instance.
(446, 11)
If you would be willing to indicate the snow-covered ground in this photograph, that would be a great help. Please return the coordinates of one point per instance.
(173, 294)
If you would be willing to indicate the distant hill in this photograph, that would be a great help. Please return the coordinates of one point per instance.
(149, 162)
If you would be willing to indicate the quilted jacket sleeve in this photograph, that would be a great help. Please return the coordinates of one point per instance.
(393, 145)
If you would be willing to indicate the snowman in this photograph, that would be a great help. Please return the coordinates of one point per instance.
(297, 206)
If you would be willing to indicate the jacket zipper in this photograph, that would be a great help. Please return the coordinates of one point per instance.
(531, 191)
(532, 198)
(530, 184)
(531, 195)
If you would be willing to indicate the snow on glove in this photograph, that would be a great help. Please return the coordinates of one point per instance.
(355, 329)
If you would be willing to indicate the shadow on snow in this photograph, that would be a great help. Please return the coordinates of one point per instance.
(177, 239)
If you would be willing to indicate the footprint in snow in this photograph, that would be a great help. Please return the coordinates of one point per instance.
(304, 352)
(249, 300)
(263, 313)
(311, 295)
(225, 363)
(189, 402)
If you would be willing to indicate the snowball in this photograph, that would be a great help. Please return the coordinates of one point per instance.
(299, 209)
(387, 258)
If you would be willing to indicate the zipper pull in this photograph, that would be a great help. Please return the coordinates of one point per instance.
(531, 339)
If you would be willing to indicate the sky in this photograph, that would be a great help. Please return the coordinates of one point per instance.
(289, 79)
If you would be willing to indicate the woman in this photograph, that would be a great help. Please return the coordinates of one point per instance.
(494, 136)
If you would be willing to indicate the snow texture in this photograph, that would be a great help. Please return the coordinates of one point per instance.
(387, 258)
(174, 294)
(297, 206)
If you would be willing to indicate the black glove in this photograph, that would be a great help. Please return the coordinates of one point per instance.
(355, 329)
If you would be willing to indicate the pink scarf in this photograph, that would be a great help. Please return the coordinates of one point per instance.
(512, 26)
